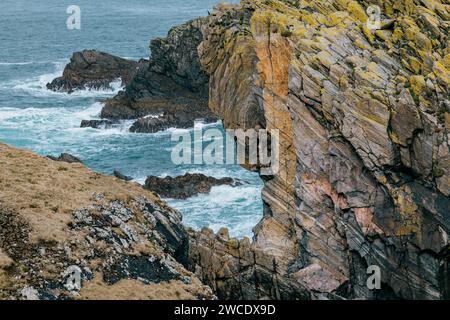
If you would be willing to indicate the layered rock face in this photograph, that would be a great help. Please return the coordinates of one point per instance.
(69, 233)
(364, 120)
(172, 91)
(92, 69)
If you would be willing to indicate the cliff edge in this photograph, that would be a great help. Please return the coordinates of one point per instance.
(69, 233)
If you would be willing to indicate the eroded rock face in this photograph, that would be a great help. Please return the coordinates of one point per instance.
(237, 270)
(186, 186)
(65, 157)
(172, 91)
(92, 69)
(69, 233)
(364, 141)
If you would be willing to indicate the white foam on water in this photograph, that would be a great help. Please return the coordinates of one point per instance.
(93, 113)
(174, 130)
(219, 171)
(135, 58)
(18, 113)
(212, 124)
(37, 85)
(170, 131)
(227, 195)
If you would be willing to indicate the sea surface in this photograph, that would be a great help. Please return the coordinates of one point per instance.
(35, 45)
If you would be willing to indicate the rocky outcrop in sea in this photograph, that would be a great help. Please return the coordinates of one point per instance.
(69, 233)
(91, 69)
(98, 124)
(364, 128)
(65, 157)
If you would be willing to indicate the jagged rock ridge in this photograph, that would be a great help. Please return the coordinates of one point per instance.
(364, 120)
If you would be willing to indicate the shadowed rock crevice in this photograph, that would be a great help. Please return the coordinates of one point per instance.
(444, 273)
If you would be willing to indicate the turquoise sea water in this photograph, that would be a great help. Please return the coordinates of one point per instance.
(35, 44)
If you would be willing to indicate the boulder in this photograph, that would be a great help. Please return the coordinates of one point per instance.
(186, 186)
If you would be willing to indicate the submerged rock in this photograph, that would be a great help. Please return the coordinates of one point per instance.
(186, 186)
(66, 157)
(92, 69)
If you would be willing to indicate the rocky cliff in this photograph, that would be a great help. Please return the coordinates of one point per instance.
(63, 226)
(172, 91)
(364, 120)
(91, 69)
